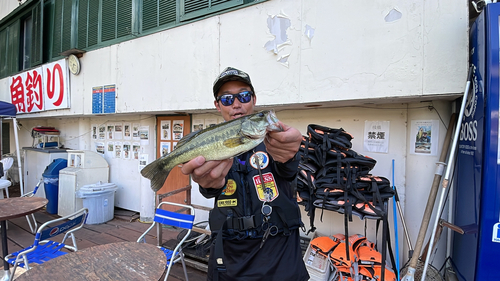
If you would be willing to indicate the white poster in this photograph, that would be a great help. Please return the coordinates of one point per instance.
(376, 137)
(102, 132)
(424, 137)
(118, 149)
(136, 148)
(127, 150)
(143, 133)
(178, 129)
(135, 131)
(143, 161)
(110, 150)
(94, 132)
(110, 133)
(127, 131)
(198, 124)
(165, 130)
(165, 148)
(118, 131)
(99, 147)
(210, 122)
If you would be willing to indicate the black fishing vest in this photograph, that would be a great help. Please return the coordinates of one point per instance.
(238, 209)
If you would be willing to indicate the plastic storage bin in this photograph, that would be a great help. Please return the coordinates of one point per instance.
(317, 265)
(99, 199)
(51, 183)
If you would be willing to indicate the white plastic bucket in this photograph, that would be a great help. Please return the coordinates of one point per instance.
(99, 199)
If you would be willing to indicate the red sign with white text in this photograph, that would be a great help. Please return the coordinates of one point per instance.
(40, 89)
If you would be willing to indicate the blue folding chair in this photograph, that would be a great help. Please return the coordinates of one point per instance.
(33, 226)
(185, 221)
(44, 249)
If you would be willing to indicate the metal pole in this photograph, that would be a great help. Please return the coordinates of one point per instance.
(5, 252)
(445, 181)
(19, 165)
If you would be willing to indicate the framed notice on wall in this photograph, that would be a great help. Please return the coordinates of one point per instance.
(104, 99)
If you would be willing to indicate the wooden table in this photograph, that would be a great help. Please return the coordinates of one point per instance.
(11, 208)
(114, 261)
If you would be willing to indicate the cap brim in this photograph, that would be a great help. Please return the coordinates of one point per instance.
(223, 80)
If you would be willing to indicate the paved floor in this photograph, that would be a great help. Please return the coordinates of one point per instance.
(124, 227)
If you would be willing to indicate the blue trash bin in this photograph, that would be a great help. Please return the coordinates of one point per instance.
(51, 183)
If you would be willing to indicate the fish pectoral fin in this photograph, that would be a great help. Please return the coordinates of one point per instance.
(233, 142)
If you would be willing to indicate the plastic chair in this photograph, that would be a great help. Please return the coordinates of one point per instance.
(4, 182)
(44, 249)
(33, 226)
(185, 221)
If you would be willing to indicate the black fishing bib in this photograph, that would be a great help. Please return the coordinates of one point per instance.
(238, 209)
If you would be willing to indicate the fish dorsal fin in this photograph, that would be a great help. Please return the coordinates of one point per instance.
(186, 138)
(194, 134)
(233, 142)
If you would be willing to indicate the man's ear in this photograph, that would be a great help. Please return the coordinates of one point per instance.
(216, 103)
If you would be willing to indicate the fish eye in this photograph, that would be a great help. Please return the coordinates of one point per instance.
(261, 114)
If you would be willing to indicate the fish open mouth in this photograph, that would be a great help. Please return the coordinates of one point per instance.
(274, 125)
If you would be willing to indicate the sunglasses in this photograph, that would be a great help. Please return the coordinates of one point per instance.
(228, 99)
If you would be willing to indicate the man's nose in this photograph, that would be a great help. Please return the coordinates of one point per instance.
(236, 103)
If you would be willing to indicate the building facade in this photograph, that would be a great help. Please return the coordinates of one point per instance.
(341, 64)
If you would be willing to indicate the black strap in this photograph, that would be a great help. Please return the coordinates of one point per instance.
(312, 193)
(347, 218)
(219, 254)
(386, 242)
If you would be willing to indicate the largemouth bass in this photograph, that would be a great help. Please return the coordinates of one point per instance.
(223, 141)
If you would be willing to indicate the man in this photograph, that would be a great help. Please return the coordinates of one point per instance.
(257, 228)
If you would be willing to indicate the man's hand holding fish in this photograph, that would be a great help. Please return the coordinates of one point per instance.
(210, 174)
(283, 146)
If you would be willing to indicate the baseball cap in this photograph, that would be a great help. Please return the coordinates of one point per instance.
(231, 74)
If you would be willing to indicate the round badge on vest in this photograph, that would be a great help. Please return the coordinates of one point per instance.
(263, 159)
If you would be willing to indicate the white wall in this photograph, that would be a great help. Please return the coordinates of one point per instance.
(356, 55)
(7, 6)
(134, 192)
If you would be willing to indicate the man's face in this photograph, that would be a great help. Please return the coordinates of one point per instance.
(237, 109)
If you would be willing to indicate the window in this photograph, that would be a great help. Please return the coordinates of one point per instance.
(157, 13)
(116, 19)
(10, 55)
(102, 21)
(163, 13)
(61, 32)
(20, 40)
(26, 35)
(88, 22)
(41, 30)
(191, 9)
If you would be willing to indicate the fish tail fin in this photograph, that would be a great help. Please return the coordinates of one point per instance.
(157, 173)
